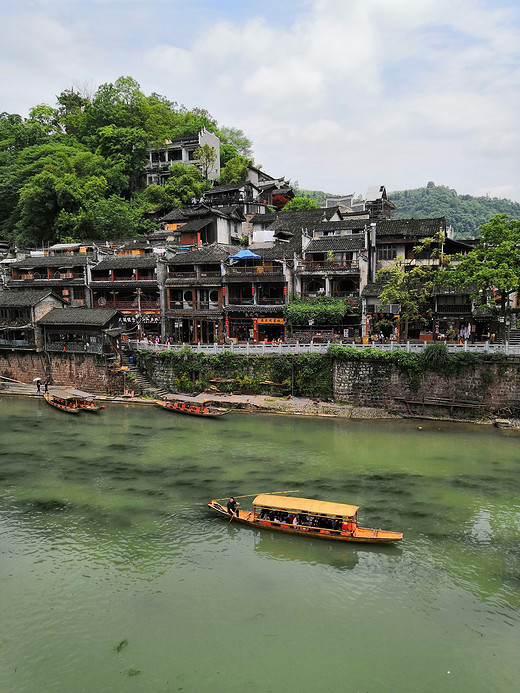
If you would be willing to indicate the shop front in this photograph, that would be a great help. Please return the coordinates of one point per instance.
(269, 329)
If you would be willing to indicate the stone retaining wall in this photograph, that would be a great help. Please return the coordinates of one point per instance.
(373, 384)
(82, 371)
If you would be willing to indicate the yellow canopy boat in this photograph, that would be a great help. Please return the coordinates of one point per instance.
(307, 517)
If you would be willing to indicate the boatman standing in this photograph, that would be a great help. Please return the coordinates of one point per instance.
(232, 506)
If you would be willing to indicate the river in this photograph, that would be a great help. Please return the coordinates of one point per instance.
(114, 575)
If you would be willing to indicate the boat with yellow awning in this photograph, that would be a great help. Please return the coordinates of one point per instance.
(307, 517)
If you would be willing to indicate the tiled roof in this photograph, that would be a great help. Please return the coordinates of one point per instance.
(24, 297)
(372, 289)
(411, 228)
(352, 223)
(195, 225)
(225, 188)
(52, 261)
(127, 262)
(338, 243)
(207, 253)
(306, 219)
(78, 316)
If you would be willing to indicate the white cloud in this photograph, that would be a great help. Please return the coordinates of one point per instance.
(346, 95)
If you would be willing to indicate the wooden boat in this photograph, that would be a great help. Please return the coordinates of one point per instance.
(307, 517)
(72, 401)
(192, 409)
(63, 403)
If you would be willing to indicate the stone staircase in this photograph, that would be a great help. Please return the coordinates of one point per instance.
(140, 381)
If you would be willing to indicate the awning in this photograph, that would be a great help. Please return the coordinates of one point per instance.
(305, 505)
(245, 255)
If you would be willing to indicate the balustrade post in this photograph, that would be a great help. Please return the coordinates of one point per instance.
(507, 348)
(247, 348)
(486, 347)
(408, 346)
(465, 345)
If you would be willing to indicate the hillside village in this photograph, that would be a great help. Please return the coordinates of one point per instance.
(234, 267)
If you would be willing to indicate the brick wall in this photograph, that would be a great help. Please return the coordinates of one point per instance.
(372, 384)
(72, 370)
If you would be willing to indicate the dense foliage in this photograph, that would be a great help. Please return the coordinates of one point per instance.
(323, 310)
(311, 374)
(75, 170)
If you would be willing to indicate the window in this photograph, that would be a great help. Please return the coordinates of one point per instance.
(386, 252)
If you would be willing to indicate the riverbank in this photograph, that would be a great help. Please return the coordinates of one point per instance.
(261, 404)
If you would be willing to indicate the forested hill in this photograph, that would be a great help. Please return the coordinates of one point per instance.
(464, 212)
(74, 170)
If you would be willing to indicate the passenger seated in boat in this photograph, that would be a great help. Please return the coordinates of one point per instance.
(336, 524)
(295, 521)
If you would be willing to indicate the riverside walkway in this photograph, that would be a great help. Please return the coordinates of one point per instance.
(321, 348)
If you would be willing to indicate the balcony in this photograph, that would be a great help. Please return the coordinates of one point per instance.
(259, 269)
(43, 276)
(241, 301)
(126, 305)
(124, 278)
(74, 347)
(181, 275)
(17, 344)
(335, 267)
(198, 305)
(454, 308)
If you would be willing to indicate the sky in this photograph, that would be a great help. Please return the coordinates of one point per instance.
(338, 95)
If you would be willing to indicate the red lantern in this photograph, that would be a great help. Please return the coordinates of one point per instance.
(253, 290)
(227, 320)
(285, 291)
(223, 291)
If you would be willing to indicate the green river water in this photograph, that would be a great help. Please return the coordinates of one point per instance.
(115, 576)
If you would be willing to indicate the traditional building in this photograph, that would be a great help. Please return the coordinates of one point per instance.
(66, 275)
(181, 150)
(85, 330)
(130, 285)
(20, 311)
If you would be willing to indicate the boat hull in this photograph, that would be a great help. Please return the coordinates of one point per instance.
(190, 409)
(50, 399)
(362, 535)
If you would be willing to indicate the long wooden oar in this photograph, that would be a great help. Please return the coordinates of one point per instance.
(249, 495)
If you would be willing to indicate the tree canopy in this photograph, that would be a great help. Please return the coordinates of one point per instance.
(76, 169)
(490, 271)
(299, 203)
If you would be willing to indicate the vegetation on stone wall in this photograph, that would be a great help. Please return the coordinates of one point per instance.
(434, 358)
(190, 371)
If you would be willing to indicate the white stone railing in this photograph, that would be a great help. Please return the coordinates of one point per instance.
(300, 348)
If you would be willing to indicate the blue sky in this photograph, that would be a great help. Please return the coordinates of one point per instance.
(336, 94)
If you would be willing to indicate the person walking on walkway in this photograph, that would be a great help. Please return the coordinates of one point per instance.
(38, 387)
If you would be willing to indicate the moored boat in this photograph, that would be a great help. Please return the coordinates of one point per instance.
(63, 403)
(307, 517)
(72, 401)
(192, 409)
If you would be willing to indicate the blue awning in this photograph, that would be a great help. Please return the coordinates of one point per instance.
(245, 255)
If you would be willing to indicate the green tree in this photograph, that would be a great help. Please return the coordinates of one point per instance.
(412, 286)
(235, 171)
(491, 271)
(237, 138)
(206, 156)
(299, 203)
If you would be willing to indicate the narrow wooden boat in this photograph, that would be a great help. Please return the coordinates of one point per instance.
(307, 517)
(72, 401)
(63, 403)
(192, 409)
